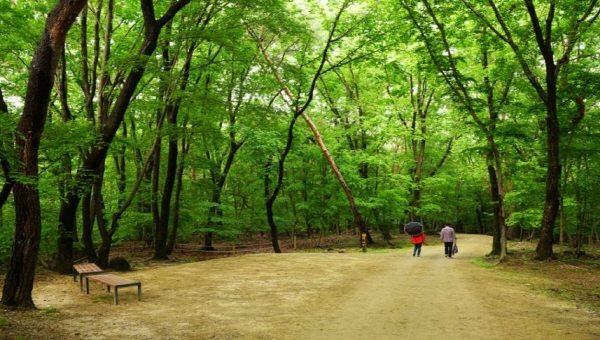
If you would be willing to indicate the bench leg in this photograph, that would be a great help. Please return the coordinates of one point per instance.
(87, 285)
(116, 295)
(140, 292)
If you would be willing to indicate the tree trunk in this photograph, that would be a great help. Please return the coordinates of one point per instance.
(155, 184)
(163, 211)
(67, 164)
(152, 29)
(360, 223)
(174, 173)
(87, 229)
(496, 229)
(18, 283)
(551, 205)
(97, 208)
(66, 230)
(215, 214)
(162, 232)
(272, 196)
(218, 177)
(185, 146)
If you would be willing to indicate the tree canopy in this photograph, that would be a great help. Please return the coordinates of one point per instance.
(166, 122)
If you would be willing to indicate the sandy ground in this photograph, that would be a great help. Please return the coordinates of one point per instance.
(310, 296)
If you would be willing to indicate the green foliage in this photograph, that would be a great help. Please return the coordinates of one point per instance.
(525, 202)
(6, 240)
(527, 219)
(385, 59)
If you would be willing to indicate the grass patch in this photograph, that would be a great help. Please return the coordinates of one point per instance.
(568, 278)
(51, 311)
(483, 262)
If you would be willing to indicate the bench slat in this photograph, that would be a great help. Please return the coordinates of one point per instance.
(84, 269)
(114, 281)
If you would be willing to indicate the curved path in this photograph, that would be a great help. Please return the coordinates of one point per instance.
(434, 297)
(316, 296)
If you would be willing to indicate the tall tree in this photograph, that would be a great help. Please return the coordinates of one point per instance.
(173, 96)
(220, 153)
(556, 32)
(18, 283)
(446, 58)
(95, 159)
(422, 94)
(355, 104)
(300, 102)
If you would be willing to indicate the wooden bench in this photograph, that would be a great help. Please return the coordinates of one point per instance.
(113, 281)
(84, 269)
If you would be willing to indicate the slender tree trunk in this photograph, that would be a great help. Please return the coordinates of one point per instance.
(496, 229)
(218, 178)
(360, 223)
(67, 166)
(479, 212)
(67, 229)
(66, 233)
(154, 181)
(162, 207)
(87, 229)
(97, 209)
(551, 204)
(420, 100)
(67, 221)
(163, 241)
(18, 282)
(179, 186)
(161, 234)
(272, 196)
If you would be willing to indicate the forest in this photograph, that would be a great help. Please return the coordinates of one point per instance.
(172, 121)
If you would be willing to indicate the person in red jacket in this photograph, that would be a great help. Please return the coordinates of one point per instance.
(418, 241)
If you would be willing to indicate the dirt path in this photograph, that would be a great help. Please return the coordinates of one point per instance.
(434, 297)
(310, 296)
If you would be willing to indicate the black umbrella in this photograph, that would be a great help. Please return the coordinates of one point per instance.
(413, 228)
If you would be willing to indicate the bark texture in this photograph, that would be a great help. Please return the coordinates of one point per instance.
(18, 283)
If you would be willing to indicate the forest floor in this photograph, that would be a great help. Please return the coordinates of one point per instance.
(333, 293)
